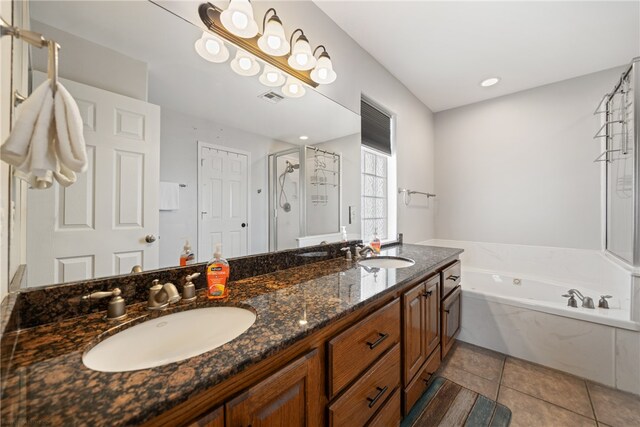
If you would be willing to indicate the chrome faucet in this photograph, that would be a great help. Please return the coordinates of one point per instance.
(587, 302)
(362, 251)
(160, 296)
(116, 309)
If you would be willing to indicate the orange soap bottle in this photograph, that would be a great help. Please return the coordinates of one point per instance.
(217, 275)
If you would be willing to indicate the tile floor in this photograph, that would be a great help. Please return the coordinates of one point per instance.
(539, 396)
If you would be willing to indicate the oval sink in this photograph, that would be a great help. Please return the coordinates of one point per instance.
(169, 339)
(386, 262)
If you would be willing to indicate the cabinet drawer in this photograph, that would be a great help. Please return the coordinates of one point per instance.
(450, 320)
(451, 277)
(355, 349)
(420, 383)
(361, 401)
(389, 415)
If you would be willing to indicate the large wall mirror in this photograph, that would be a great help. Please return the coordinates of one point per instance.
(180, 149)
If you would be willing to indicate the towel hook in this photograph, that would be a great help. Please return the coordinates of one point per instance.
(37, 40)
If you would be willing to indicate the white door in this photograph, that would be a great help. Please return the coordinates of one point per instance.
(97, 226)
(223, 191)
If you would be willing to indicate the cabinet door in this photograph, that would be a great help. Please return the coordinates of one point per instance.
(450, 320)
(414, 331)
(290, 397)
(432, 315)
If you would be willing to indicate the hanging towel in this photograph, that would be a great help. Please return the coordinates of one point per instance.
(169, 196)
(46, 142)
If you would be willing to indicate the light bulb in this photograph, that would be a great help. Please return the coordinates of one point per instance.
(293, 88)
(274, 42)
(323, 73)
(211, 48)
(245, 64)
(238, 19)
(271, 77)
(302, 58)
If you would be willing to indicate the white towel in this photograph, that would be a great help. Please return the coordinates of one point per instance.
(46, 141)
(169, 196)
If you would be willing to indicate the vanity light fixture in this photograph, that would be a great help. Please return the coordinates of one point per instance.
(238, 19)
(273, 41)
(490, 82)
(244, 64)
(301, 56)
(211, 48)
(293, 88)
(272, 77)
(323, 72)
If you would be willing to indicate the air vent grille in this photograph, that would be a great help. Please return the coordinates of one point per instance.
(271, 97)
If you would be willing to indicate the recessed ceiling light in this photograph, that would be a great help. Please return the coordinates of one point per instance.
(490, 81)
(304, 137)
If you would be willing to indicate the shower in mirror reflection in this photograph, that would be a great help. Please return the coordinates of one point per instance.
(282, 198)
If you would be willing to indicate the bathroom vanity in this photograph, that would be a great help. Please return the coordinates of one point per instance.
(333, 344)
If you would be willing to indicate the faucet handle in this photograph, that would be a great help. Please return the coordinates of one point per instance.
(603, 303)
(116, 309)
(155, 283)
(190, 277)
(100, 294)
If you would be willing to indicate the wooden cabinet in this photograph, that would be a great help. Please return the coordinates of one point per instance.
(389, 415)
(450, 320)
(420, 383)
(290, 397)
(421, 326)
(354, 350)
(214, 418)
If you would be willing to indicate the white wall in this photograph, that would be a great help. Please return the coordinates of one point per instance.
(519, 168)
(92, 64)
(179, 136)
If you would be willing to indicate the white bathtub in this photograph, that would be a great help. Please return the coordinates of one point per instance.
(531, 320)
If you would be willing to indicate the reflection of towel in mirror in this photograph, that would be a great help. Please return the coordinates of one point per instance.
(169, 196)
(47, 141)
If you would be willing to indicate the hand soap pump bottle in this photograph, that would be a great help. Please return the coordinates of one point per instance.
(217, 275)
(375, 242)
(344, 233)
(187, 257)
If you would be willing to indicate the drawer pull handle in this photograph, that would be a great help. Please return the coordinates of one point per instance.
(427, 294)
(446, 311)
(452, 277)
(426, 380)
(377, 342)
(373, 401)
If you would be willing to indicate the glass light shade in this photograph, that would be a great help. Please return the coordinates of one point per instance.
(244, 64)
(293, 88)
(301, 56)
(238, 19)
(212, 48)
(271, 77)
(273, 41)
(323, 73)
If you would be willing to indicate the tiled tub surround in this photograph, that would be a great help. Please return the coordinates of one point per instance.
(531, 321)
(45, 382)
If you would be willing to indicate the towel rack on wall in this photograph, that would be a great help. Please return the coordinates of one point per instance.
(407, 194)
(37, 40)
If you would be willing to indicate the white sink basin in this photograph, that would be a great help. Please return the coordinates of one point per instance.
(169, 339)
(386, 262)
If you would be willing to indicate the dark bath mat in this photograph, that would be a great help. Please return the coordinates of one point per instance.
(447, 404)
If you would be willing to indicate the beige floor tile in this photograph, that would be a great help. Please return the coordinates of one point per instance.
(613, 407)
(473, 382)
(476, 360)
(527, 411)
(548, 384)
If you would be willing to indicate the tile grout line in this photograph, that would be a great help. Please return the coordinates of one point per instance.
(593, 408)
(504, 363)
(550, 403)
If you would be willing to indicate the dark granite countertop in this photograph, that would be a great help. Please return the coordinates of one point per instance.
(46, 382)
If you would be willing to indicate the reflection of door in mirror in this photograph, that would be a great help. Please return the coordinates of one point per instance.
(97, 227)
(223, 187)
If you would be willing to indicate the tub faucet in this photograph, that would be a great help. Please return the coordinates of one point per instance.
(587, 302)
(603, 303)
(572, 300)
(160, 296)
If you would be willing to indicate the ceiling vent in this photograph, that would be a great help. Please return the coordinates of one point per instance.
(271, 97)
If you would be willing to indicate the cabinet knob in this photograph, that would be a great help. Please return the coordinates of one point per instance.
(427, 294)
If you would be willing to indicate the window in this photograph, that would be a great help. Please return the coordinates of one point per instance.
(374, 194)
(378, 174)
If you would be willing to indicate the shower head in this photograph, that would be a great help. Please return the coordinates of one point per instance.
(291, 167)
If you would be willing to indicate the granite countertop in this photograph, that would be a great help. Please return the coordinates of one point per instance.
(46, 382)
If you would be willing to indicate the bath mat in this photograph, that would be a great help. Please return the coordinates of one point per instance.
(447, 404)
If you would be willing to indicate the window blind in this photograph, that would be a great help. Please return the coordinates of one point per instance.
(375, 128)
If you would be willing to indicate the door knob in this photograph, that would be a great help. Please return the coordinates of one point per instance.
(244, 225)
(150, 238)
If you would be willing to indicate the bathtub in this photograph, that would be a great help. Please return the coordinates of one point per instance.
(512, 303)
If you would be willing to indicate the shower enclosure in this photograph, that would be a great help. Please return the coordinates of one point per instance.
(620, 111)
(304, 196)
